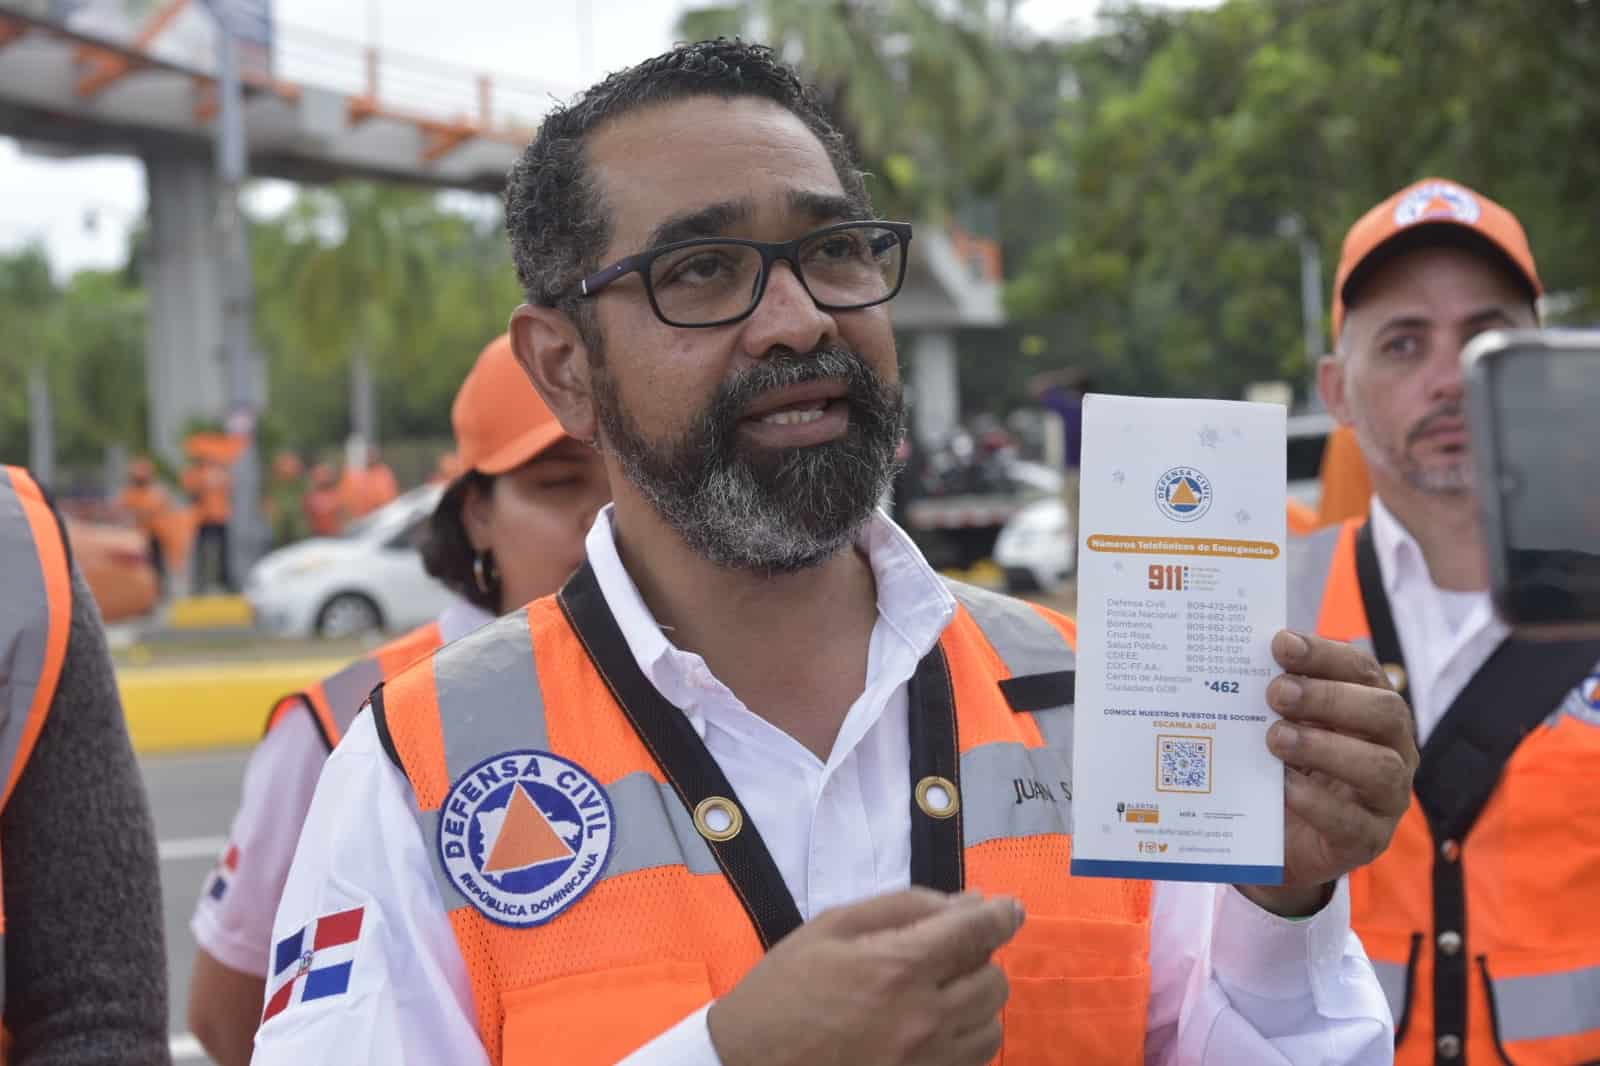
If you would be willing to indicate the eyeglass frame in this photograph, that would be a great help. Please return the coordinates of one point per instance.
(770, 251)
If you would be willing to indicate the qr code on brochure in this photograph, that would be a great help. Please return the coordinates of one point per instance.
(1183, 764)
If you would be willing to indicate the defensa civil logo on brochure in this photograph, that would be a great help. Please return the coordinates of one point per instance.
(524, 835)
(1183, 494)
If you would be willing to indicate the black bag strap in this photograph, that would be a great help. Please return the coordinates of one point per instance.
(937, 860)
(682, 756)
(1509, 695)
(1380, 621)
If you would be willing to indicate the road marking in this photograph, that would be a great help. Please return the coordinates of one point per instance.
(191, 848)
(185, 1048)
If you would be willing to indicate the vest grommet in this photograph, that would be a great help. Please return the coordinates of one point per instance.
(718, 818)
(1449, 942)
(1450, 851)
(1449, 1046)
(1396, 675)
(937, 797)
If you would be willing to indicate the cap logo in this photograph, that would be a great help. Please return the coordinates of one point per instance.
(1437, 201)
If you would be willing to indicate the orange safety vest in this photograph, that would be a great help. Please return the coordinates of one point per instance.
(35, 617)
(1480, 918)
(335, 701)
(616, 943)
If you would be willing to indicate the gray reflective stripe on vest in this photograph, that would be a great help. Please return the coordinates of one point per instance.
(1392, 976)
(1010, 791)
(347, 691)
(1548, 1005)
(1025, 641)
(24, 636)
(1309, 561)
(1028, 644)
(489, 697)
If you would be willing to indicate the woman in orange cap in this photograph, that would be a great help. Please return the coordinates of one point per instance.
(523, 482)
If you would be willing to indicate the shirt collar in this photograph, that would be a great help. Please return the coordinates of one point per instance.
(913, 602)
(1399, 555)
(1405, 570)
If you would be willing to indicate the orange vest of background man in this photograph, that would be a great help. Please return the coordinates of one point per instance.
(34, 627)
(1481, 917)
(661, 930)
(209, 485)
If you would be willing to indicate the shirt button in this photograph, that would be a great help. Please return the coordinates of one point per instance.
(1450, 851)
(1449, 1046)
(1449, 942)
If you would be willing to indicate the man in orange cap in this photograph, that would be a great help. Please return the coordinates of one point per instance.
(509, 529)
(1480, 916)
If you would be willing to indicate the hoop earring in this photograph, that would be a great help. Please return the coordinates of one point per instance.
(482, 564)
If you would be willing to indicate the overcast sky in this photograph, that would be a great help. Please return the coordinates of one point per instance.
(81, 208)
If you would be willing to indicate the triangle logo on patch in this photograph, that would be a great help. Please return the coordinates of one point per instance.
(525, 838)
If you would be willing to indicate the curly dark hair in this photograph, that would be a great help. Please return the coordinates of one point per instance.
(555, 217)
(447, 553)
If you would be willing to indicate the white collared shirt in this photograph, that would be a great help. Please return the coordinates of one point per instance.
(1232, 984)
(1445, 636)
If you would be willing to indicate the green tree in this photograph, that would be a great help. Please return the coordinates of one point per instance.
(923, 88)
(1183, 173)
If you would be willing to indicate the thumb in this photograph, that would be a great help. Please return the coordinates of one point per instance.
(891, 911)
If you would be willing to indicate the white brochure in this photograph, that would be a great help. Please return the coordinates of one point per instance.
(1180, 590)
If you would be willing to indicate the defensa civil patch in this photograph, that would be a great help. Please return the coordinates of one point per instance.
(524, 834)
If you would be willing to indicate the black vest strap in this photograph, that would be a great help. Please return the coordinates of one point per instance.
(937, 859)
(1385, 638)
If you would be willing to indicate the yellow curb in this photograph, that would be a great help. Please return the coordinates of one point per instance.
(185, 708)
(210, 612)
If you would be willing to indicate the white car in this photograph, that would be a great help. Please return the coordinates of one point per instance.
(1038, 548)
(369, 578)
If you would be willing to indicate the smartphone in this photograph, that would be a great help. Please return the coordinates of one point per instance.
(1533, 402)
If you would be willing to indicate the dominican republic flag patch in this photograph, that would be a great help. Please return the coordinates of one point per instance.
(222, 876)
(315, 962)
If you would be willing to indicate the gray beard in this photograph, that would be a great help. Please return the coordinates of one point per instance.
(751, 509)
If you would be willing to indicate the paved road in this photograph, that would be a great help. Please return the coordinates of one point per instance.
(193, 797)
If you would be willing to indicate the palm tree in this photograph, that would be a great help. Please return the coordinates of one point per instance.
(924, 88)
(362, 277)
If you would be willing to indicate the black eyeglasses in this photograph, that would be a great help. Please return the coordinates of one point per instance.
(713, 281)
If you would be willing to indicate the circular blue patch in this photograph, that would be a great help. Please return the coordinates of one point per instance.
(524, 834)
(1183, 494)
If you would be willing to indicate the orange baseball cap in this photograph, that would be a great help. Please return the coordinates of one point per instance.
(500, 420)
(1445, 209)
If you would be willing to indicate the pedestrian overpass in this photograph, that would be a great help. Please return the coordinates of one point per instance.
(77, 80)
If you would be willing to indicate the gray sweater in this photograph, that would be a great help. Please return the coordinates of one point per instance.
(85, 969)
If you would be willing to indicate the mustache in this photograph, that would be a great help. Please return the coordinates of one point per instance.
(785, 368)
(1451, 412)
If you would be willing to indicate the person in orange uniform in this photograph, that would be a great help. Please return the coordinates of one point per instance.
(324, 503)
(523, 482)
(82, 978)
(1481, 916)
(722, 798)
(149, 503)
(209, 486)
(368, 487)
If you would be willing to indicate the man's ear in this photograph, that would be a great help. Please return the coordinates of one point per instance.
(556, 359)
(1332, 381)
